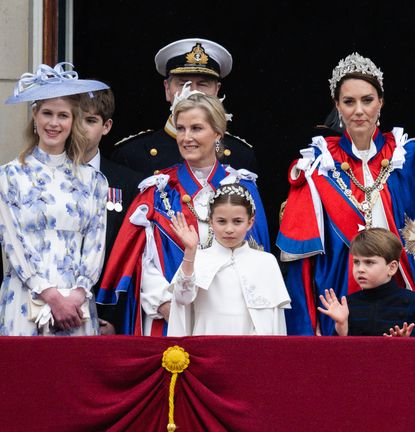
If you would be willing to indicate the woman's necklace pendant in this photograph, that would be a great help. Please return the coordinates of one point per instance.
(365, 206)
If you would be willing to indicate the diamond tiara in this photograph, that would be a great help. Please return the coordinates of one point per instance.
(234, 189)
(354, 63)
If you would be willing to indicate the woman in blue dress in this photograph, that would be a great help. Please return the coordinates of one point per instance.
(52, 214)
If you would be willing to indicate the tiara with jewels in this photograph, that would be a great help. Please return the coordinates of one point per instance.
(186, 93)
(354, 63)
(234, 189)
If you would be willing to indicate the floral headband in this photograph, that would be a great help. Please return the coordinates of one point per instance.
(234, 189)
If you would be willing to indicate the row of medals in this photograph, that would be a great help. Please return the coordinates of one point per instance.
(114, 206)
(114, 199)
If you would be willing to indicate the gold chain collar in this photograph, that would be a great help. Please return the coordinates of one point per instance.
(186, 199)
(367, 204)
(208, 243)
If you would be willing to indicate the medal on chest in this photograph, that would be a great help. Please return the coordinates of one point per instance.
(114, 199)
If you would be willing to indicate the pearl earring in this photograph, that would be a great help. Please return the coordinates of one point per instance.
(340, 120)
(378, 122)
(34, 128)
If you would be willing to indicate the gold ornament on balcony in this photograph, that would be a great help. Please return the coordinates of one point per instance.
(175, 360)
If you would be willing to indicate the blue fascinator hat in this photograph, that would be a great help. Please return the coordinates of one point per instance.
(48, 83)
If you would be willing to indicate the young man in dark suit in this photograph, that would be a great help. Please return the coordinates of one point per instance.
(123, 187)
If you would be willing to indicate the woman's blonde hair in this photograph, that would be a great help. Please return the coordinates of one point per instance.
(76, 143)
(213, 108)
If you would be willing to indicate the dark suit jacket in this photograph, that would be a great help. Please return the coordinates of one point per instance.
(127, 180)
(150, 151)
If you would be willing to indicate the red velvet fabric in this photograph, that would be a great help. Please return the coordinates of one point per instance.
(238, 384)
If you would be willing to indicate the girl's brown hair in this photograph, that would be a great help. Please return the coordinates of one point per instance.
(234, 194)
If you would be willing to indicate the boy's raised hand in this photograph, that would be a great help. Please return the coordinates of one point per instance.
(187, 234)
(396, 331)
(337, 311)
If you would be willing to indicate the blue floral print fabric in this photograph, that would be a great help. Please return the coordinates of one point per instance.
(52, 228)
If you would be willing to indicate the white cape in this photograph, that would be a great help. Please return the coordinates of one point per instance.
(261, 282)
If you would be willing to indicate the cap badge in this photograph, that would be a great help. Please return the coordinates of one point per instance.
(197, 55)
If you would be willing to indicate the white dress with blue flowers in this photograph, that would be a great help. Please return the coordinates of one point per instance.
(52, 228)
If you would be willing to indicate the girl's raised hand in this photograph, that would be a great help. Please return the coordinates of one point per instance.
(187, 234)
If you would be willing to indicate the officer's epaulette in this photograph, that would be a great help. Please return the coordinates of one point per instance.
(239, 139)
(148, 131)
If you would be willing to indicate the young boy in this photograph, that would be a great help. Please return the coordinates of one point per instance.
(123, 186)
(381, 308)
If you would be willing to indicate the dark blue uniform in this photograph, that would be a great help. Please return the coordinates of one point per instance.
(151, 151)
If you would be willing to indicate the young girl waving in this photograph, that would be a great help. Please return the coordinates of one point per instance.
(228, 288)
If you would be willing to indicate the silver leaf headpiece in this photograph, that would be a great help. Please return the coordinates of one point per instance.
(354, 63)
(227, 116)
(234, 189)
(186, 93)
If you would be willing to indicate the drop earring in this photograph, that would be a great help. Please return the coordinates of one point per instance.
(34, 129)
(217, 142)
(378, 121)
(340, 120)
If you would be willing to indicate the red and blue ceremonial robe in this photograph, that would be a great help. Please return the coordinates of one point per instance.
(319, 221)
(123, 272)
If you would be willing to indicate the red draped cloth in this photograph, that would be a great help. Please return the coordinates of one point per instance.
(237, 384)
